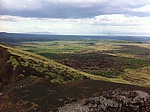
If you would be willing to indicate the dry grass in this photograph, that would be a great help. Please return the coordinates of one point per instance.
(140, 76)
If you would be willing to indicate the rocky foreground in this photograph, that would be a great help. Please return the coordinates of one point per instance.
(111, 101)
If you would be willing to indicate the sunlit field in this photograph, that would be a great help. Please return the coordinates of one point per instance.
(114, 59)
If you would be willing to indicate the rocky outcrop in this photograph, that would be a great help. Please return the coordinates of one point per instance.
(112, 101)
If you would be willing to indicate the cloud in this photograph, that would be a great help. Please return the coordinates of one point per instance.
(145, 8)
(101, 24)
(120, 20)
(102, 20)
(75, 16)
(19, 5)
(72, 8)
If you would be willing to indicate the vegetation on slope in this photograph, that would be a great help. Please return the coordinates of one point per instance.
(108, 59)
(17, 64)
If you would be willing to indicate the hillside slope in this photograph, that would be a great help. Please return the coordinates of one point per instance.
(39, 95)
(31, 83)
(16, 64)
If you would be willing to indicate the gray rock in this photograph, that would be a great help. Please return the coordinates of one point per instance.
(112, 101)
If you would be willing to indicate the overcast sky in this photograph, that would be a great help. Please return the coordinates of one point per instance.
(87, 17)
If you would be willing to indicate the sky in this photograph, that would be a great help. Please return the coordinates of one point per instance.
(77, 17)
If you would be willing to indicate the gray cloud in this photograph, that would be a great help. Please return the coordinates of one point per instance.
(71, 8)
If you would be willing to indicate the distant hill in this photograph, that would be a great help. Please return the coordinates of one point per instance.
(20, 37)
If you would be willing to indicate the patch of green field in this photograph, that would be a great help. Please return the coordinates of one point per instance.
(55, 46)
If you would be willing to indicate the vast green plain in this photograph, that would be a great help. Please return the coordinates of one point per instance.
(115, 60)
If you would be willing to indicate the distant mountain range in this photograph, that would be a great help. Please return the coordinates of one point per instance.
(38, 36)
(43, 33)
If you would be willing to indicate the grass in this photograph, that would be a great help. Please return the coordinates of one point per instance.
(14, 62)
(140, 76)
(57, 72)
(41, 67)
(118, 48)
(53, 47)
(124, 54)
